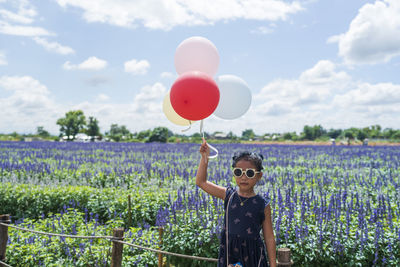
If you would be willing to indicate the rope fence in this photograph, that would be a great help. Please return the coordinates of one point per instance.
(117, 239)
(54, 234)
(4, 264)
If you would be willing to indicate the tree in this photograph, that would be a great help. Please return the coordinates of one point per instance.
(93, 128)
(231, 136)
(118, 132)
(313, 132)
(308, 132)
(73, 123)
(318, 131)
(248, 134)
(290, 136)
(388, 133)
(159, 134)
(361, 135)
(334, 133)
(287, 136)
(42, 132)
(375, 131)
(396, 135)
(349, 134)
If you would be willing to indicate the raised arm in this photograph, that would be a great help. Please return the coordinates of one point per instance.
(201, 176)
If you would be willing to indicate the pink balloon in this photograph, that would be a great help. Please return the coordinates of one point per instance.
(197, 54)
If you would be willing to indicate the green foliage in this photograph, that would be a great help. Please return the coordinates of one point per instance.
(93, 128)
(118, 133)
(248, 134)
(159, 134)
(190, 239)
(290, 136)
(42, 132)
(29, 249)
(312, 133)
(73, 123)
(31, 201)
(143, 135)
(334, 133)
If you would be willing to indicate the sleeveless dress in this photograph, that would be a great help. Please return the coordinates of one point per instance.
(244, 225)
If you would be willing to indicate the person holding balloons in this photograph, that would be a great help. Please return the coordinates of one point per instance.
(246, 213)
(194, 96)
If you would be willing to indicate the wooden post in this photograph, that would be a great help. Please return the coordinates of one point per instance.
(3, 236)
(284, 257)
(160, 255)
(129, 212)
(116, 255)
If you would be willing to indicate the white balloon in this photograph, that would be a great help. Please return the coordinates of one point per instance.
(197, 54)
(235, 97)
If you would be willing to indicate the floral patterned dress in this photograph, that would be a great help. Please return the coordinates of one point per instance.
(244, 225)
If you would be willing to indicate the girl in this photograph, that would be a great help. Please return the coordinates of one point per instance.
(245, 212)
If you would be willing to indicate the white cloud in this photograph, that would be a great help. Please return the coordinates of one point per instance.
(29, 105)
(166, 14)
(327, 96)
(144, 112)
(149, 99)
(381, 94)
(373, 35)
(136, 67)
(3, 60)
(92, 63)
(9, 29)
(322, 95)
(102, 97)
(25, 13)
(19, 23)
(167, 75)
(54, 46)
(264, 29)
(14, 17)
(314, 85)
(16, 22)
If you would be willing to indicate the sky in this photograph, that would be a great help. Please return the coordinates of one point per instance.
(307, 62)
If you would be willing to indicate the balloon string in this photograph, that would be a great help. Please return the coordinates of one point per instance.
(190, 126)
(213, 148)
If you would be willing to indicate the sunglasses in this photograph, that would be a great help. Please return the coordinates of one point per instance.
(250, 173)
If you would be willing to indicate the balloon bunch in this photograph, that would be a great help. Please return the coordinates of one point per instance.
(195, 95)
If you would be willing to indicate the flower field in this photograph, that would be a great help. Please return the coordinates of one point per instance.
(332, 206)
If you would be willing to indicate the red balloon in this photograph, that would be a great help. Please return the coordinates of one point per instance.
(194, 95)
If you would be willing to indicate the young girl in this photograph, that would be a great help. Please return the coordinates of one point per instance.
(245, 213)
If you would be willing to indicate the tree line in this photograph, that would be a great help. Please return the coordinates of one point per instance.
(75, 122)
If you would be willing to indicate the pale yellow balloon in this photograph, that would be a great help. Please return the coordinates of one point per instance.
(171, 114)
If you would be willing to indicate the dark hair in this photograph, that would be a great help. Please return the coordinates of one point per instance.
(254, 158)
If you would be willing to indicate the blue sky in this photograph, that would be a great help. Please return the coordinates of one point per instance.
(333, 63)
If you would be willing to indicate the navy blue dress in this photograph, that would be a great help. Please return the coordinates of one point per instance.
(244, 225)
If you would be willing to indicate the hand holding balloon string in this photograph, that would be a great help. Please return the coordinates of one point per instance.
(208, 145)
(204, 150)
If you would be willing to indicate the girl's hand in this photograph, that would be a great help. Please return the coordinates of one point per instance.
(204, 149)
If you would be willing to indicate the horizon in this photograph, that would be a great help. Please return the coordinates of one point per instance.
(299, 133)
(310, 62)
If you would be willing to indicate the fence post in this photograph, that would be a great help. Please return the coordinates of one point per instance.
(160, 255)
(4, 236)
(116, 255)
(284, 257)
(129, 212)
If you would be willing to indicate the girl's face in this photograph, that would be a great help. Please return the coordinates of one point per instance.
(243, 182)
